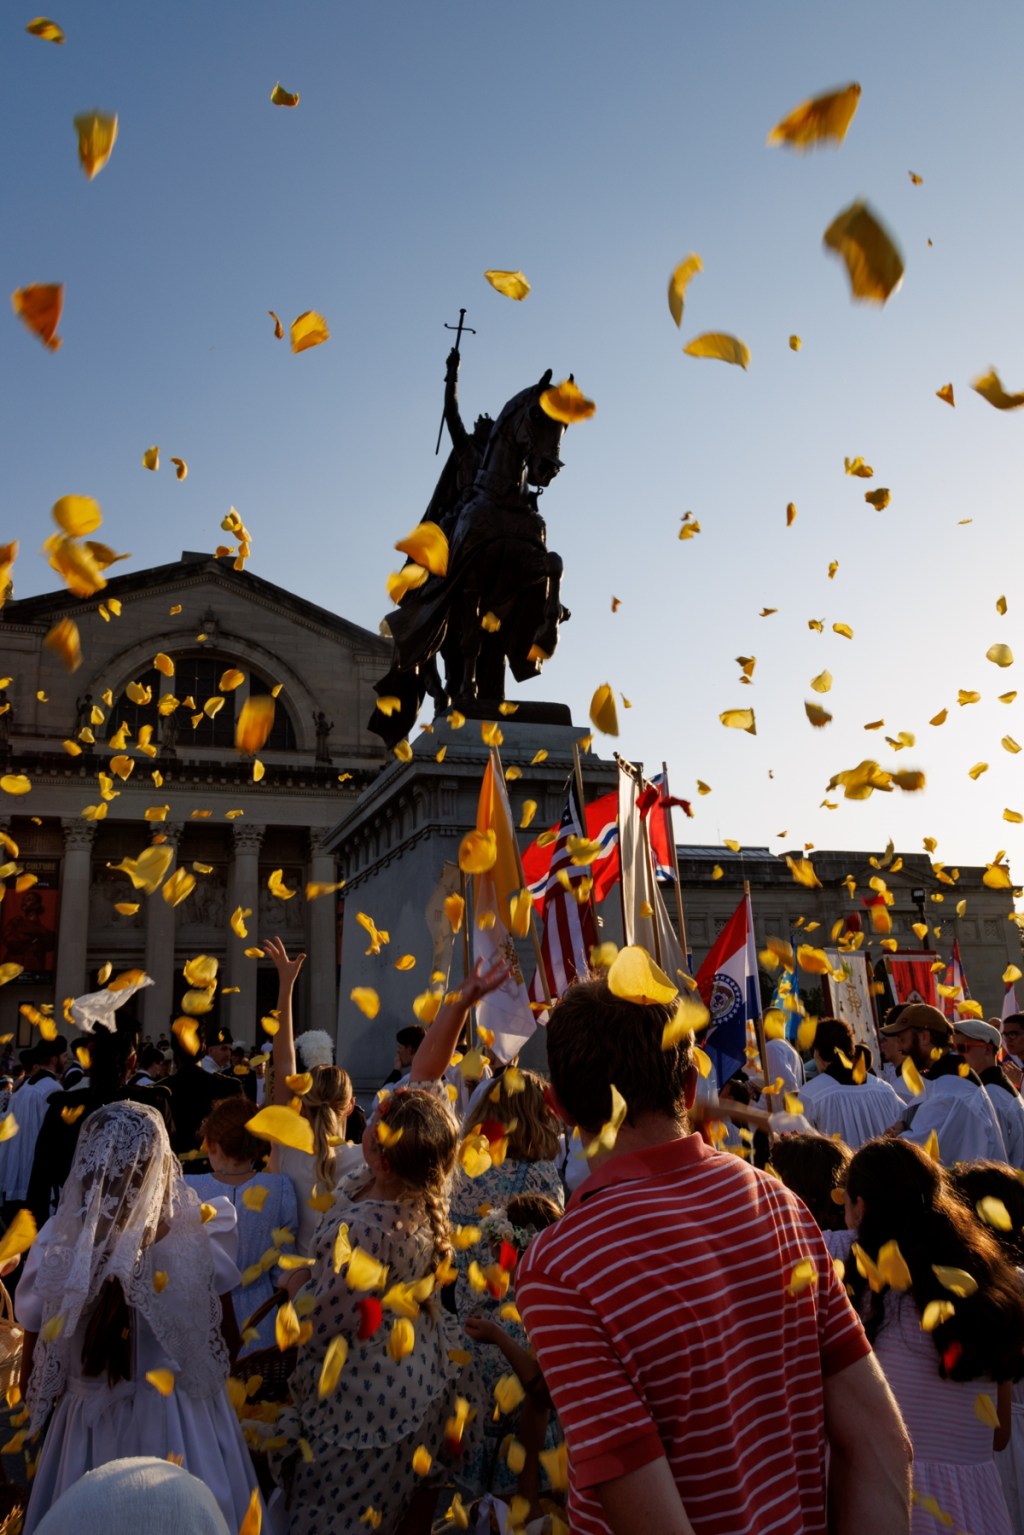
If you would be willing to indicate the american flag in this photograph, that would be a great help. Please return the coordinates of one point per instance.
(569, 931)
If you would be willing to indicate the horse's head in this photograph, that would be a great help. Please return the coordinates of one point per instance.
(536, 436)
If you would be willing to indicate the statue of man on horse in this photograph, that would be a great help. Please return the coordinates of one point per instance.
(499, 603)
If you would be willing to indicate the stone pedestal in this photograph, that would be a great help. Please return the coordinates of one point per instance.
(392, 848)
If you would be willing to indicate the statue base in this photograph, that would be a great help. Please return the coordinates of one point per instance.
(398, 852)
(525, 714)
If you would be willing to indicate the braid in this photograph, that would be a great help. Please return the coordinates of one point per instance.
(437, 1214)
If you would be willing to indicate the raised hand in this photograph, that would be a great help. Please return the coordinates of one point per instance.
(287, 968)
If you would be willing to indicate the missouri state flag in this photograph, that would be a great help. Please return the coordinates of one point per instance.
(728, 986)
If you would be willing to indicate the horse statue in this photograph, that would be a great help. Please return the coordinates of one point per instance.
(499, 604)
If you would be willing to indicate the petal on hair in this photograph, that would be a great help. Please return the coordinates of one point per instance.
(957, 1281)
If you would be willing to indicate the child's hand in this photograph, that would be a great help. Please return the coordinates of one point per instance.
(481, 1329)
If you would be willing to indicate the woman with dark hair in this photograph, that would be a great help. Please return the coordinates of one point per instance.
(945, 1313)
(976, 1182)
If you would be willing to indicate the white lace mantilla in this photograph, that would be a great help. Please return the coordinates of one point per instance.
(124, 1194)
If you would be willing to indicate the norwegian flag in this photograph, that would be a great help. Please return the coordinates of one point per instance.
(569, 932)
(602, 825)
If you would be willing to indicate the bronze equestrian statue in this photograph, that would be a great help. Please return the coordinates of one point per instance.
(499, 604)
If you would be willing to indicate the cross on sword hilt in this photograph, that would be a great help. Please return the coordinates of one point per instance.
(458, 329)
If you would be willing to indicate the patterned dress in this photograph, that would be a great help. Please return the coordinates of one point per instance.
(485, 1469)
(364, 1434)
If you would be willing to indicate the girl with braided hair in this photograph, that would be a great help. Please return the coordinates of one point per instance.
(387, 1430)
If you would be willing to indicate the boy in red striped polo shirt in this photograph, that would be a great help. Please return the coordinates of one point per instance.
(689, 1322)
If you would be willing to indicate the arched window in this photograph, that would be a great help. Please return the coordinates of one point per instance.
(197, 678)
(127, 711)
(282, 736)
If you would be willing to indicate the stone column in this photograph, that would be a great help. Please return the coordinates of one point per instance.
(322, 966)
(158, 1000)
(73, 932)
(244, 891)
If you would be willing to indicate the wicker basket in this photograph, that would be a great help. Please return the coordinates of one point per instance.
(272, 1365)
(12, 1338)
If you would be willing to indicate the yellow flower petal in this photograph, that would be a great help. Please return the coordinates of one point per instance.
(795, 343)
(603, 714)
(957, 1281)
(999, 655)
(282, 98)
(879, 499)
(335, 1356)
(277, 886)
(817, 715)
(677, 285)
(366, 999)
(255, 722)
(818, 121)
(946, 393)
(282, 1127)
(509, 284)
(873, 262)
(804, 1274)
(720, 346)
(180, 468)
(635, 977)
(365, 1272)
(310, 329)
(163, 1380)
(478, 852)
(990, 389)
(77, 515)
(911, 1076)
(39, 307)
(48, 30)
(566, 403)
(739, 719)
(427, 545)
(15, 783)
(151, 458)
(455, 911)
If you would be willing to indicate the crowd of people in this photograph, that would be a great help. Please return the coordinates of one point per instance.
(618, 1299)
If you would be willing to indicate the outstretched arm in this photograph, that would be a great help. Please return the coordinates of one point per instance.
(435, 1052)
(452, 418)
(283, 1054)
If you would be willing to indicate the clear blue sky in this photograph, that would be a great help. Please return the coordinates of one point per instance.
(593, 146)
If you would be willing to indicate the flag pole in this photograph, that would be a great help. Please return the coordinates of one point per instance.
(538, 952)
(680, 915)
(649, 858)
(762, 1042)
(578, 771)
(466, 967)
(635, 774)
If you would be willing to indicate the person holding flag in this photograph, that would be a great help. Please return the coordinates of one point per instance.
(729, 988)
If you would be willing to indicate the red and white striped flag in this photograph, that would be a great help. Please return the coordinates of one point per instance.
(569, 933)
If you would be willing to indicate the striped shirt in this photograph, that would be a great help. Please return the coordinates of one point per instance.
(659, 1311)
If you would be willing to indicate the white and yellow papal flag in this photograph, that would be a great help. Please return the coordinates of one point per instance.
(505, 1012)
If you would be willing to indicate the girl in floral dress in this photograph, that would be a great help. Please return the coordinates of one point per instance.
(381, 1410)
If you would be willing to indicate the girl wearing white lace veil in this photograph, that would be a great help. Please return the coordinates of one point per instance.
(121, 1302)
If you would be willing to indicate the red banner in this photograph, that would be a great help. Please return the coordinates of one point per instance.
(910, 976)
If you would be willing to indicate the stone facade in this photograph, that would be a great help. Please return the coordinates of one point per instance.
(68, 925)
(989, 941)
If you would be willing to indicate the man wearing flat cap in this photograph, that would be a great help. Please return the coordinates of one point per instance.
(955, 1106)
(977, 1042)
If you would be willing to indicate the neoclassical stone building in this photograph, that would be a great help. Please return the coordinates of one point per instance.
(229, 830)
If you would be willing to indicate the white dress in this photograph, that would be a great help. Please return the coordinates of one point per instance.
(954, 1462)
(94, 1423)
